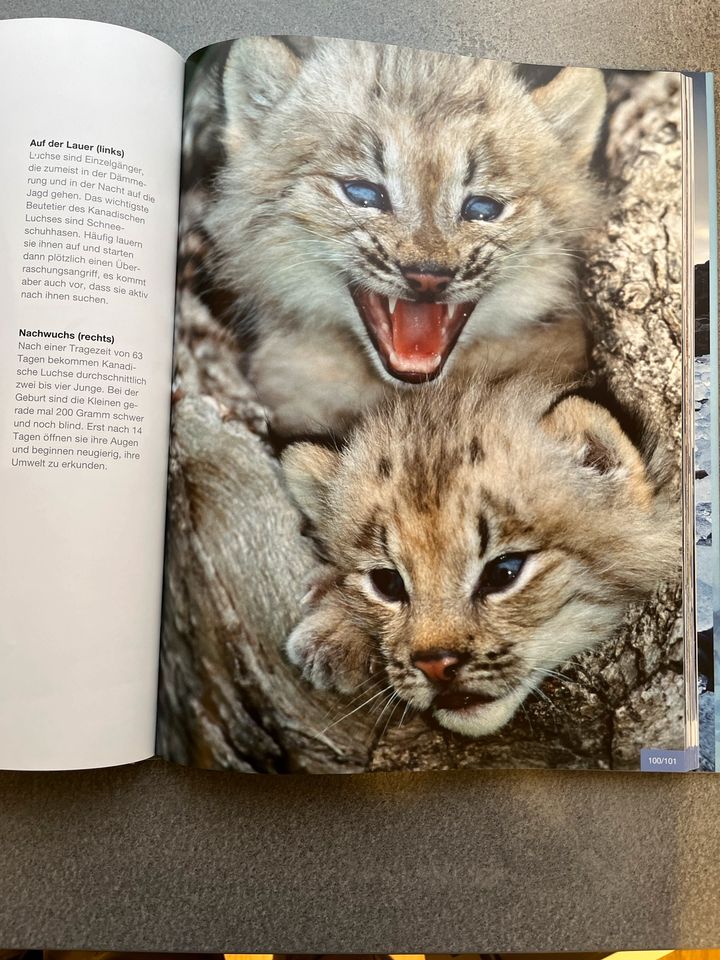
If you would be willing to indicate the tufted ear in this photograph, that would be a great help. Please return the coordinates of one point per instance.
(597, 444)
(259, 71)
(309, 469)
(574, 103)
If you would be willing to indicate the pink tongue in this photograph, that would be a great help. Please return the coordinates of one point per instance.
(418, 329)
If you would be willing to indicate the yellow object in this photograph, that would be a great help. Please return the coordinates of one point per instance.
(248, 956)
(639, 954)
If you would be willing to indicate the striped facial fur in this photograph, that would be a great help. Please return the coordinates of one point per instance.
(382, 210)
(477, 536)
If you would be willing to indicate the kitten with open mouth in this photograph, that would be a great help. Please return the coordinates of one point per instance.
(413, 338)
(384, 216)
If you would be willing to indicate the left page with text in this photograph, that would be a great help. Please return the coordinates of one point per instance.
(89, 166)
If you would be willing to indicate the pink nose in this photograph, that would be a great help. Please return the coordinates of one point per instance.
(432, 282)
(438, 665)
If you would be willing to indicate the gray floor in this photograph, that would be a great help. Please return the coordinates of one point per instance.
(155, 857)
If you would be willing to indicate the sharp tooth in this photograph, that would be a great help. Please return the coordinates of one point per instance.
(392, 303)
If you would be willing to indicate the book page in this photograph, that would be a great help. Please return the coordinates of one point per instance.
(707, 519)
(89, 165)
(425, 507)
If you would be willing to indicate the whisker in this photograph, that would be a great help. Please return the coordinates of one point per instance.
(398, 700)
(404, 714)
(363, 704)
(391, 698)
(508, 689)
(369, 688)
(301, 263)
(324, 236)
(541, 693)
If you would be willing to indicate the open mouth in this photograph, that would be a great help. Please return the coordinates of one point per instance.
(413, 338)
(462, 700)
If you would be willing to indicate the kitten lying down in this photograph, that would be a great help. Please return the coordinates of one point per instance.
(477, 536)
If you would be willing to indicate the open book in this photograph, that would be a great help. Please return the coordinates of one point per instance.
(403, 457)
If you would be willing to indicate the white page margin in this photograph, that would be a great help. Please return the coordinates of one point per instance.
(81, 554)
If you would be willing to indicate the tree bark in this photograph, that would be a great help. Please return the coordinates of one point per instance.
(238, 565)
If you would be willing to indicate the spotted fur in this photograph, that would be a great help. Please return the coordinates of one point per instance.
(558, 483)
(432, 128)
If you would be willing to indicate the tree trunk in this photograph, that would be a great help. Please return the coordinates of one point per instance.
(238, 565)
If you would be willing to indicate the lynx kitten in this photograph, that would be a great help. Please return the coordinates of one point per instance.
(386, 213)
(477, 536)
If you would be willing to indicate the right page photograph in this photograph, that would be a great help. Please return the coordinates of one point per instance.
(430, 501)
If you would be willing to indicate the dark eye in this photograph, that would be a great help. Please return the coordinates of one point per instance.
(482, 208)
(389, 584)
(499, 573)
(365, 194)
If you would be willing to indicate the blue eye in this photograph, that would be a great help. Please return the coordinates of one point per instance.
(365, 194)
(499, 573)
(482, 208)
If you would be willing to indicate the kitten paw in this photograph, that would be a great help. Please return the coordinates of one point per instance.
(330, 652)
